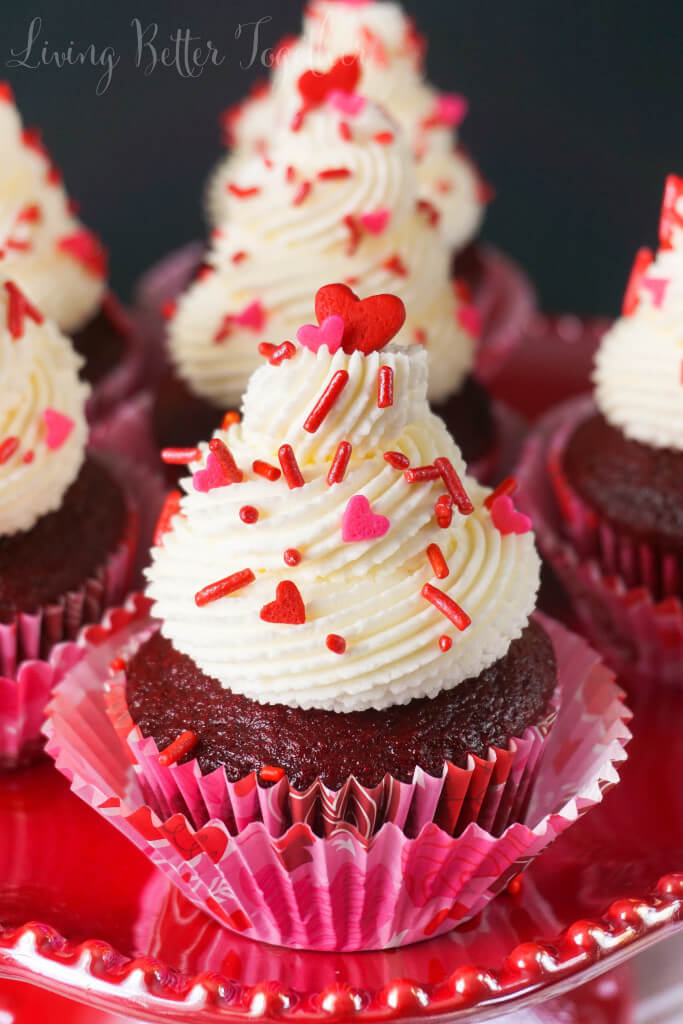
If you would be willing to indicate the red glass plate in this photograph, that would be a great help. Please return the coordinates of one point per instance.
(115, 934)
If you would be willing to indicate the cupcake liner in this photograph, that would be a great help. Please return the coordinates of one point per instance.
(342, 890)
(506, 300)
(625, 595)
(127, 375)
(36, 648)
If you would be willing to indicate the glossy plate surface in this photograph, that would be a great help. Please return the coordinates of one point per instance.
(113, 932)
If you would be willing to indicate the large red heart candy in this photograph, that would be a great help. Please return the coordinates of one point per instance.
(368, 323)
(288, 606)
(343, 76)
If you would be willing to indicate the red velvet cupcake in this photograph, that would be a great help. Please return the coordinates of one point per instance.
(60, 265)
(68, 533)
(610, 517)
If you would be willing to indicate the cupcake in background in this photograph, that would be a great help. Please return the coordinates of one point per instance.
(61, 265)
(336, 198)
(347, 707)
(68, 531)
(372, 49)
(610, 513)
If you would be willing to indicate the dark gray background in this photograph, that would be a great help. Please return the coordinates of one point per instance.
(575, 117)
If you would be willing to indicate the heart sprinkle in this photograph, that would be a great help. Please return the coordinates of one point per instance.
(359, 522)
(233, 474)
(376, 221)
(288, 606)
(59, 428)
(644, 258)
(329, 333)
(507, 519)
(368, 323)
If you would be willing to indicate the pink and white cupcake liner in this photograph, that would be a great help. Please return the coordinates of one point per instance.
(626, 596)
(249, 857)
(128, 374)
(37, 648)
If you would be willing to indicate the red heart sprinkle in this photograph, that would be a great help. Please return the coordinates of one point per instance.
(343, 76)
(368, 323)
(288, 606)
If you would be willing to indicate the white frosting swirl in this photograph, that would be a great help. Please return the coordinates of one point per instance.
(639, 366)
(391, 60)
(368, 591)
(39, 374)
(34, 220)
(285, 251)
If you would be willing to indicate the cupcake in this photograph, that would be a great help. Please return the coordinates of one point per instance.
(337, 197)
(612, 521)
(67, 530)
(343, 701)
(60, 265)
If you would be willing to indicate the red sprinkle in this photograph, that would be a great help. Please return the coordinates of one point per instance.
(170, 508)
(290, 175)
(335, 643)
(421, 473)
(221, 588)
(433, 215)
(265, 469)
(225, 328)
(179, 456)
(290, 467)
(420, 335)
(438, 562)
(515, 886)
(238, 257)
(355, 233)
(243, 193)
(233, 473)
(396, 460)
(301, 193)
(454, 485)
(326, 401)
(175, 751)
(445, 643)
(292, 556)
(385, 387)
(345, 131)
(169, 309)
(340, 463)
(443, 508)
(271, 773)
(334, 172)
(266, 349)
(284, 351)
(507, 487)
(231, 417)
(117, 665)
(18, 308)
(28, 457)
(395, 265)
(447, 606)
(249, 514)
(8, 448)
(384, 138)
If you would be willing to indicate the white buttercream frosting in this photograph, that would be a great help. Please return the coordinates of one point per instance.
(391, 59)
(36, 224)
(276, 252)
(366, 591)
(639, 365)
(39, 374)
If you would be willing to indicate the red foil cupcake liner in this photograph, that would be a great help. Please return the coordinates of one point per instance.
(36, 648)
(127, 376)
(237, 856)
(626, 596)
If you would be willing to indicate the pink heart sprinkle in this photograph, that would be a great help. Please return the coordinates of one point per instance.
(469, 318)
(205, 480)
(376, 222)
(359, 522)
(451, 109)
(350, 103)
(330, 333)
(506, 518)
(253, 316)
(657, 287)
(58, 427)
